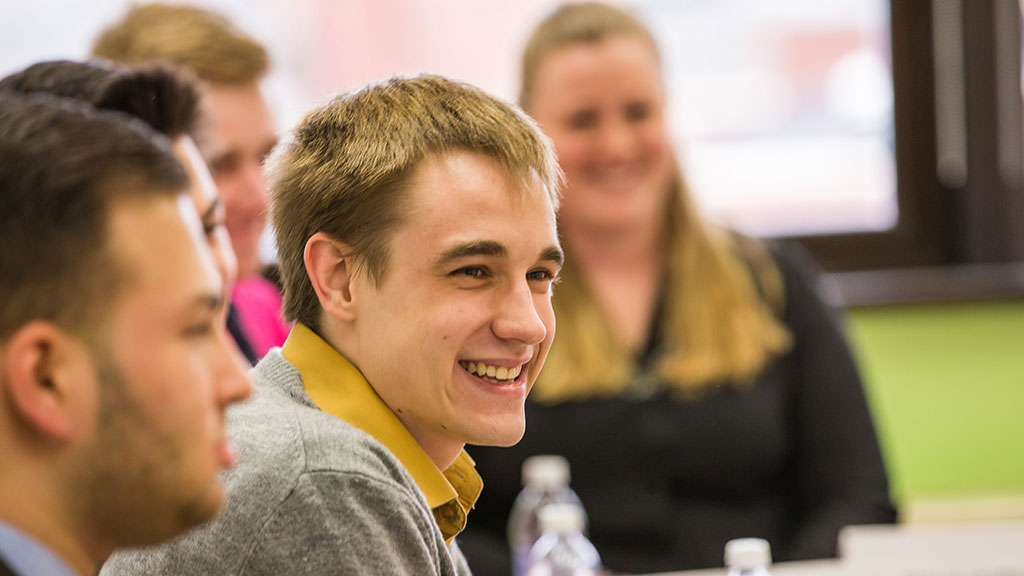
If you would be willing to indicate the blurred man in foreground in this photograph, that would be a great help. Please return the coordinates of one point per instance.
(114, 374)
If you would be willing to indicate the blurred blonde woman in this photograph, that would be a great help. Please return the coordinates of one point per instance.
(699, 386)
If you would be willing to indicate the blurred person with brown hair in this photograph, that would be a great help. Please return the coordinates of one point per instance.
(164, 98)
(699, 386)
(239, 135)
(114, 374)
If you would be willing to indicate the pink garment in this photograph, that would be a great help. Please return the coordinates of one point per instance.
(258, 304)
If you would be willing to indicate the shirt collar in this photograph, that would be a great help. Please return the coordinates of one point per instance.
(26, 555)
(338, 388)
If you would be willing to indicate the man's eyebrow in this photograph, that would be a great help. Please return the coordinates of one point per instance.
(553, 254)
(475, 248)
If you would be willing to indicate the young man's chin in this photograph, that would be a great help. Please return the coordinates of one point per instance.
(501, 438)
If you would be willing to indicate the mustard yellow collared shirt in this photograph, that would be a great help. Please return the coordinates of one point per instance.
(338, 388)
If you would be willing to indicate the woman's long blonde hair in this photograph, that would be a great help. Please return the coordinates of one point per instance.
(724, 294)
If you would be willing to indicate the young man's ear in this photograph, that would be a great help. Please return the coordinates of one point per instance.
(41, 374)
(332, 273)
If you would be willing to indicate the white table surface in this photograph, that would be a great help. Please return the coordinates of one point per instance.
(982, 549)
(816, 567)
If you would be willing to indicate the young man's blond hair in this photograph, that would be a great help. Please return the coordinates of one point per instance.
(345, 168)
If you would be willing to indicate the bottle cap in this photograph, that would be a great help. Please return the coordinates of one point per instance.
(747, 553)
(546, 471)
(560, 518)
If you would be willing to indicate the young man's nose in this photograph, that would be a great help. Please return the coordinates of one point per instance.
(518, 317)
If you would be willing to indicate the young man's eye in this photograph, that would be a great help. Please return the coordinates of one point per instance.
(542, 275)
(471, 272)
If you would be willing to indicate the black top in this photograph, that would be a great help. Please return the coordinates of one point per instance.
(667, 482)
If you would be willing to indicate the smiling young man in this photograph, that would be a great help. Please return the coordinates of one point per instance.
(114, 369)
(416, 227)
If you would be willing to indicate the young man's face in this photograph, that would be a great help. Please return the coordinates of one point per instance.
(467, 290)
(165, 377)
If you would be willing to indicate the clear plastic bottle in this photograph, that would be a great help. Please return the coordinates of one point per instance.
(748, 557)
(563, 550)
(545, 481)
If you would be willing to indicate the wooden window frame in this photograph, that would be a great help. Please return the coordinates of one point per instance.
(958, 111)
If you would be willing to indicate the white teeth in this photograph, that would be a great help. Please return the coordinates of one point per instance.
(494, 372)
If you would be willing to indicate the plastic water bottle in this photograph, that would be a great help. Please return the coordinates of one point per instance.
(545, 481)
(748, 557)
(563, 550)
